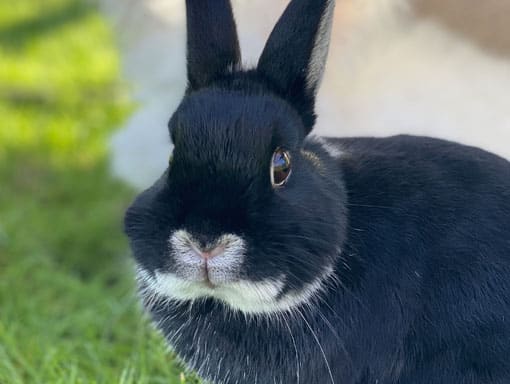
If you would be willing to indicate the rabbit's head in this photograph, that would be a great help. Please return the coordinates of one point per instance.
(249, 211)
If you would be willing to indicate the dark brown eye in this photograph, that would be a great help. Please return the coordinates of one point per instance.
(280, 168)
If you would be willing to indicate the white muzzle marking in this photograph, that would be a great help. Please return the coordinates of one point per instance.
(220, 279)
(191, 265)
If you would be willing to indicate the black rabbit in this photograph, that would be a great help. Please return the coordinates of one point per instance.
(269, 256)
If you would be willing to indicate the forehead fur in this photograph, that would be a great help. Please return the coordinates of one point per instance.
(213, 121)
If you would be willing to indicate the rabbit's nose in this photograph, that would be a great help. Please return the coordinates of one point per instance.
(209, 254)
(204, 241)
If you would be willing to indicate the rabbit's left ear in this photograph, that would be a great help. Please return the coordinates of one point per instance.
(213, 45)
(295, 55)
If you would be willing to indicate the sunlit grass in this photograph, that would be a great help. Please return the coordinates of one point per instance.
(58, 82)
(67, 308)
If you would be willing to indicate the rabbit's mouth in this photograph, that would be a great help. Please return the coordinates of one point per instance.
(262, 297)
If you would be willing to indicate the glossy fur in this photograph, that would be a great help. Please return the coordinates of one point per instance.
(380, 261)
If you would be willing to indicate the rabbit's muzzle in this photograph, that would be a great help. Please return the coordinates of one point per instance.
(212, 264)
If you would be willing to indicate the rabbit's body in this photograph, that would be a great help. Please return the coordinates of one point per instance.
(421, 294)
(267, 256)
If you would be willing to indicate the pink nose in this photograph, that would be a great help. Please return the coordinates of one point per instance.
(212, 253)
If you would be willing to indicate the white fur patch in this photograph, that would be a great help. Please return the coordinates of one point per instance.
(220, 269)
(245, 296)
(332, 150)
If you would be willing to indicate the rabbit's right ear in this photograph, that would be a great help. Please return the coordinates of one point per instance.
(295, 55)
(213, 46)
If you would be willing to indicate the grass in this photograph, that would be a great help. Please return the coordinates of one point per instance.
(68, 312)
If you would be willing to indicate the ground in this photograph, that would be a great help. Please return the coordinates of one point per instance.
(68, 309)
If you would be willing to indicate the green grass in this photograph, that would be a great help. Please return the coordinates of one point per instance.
(68, 312)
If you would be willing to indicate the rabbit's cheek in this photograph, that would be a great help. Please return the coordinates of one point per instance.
(167, 285)
(268, 297)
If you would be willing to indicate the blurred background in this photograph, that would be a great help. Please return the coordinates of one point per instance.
(428, 67)
(86, 90)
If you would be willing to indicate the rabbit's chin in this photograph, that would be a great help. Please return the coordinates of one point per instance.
(261, 297)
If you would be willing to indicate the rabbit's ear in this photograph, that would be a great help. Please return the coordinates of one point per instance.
(213, 46)
(295, 55)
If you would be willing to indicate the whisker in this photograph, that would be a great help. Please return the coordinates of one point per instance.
(295, 348)
(320, 346)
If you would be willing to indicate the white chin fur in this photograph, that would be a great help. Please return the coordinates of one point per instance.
(248, 297)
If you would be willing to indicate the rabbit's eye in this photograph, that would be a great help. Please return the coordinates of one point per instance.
(280, 168)
(170, 159)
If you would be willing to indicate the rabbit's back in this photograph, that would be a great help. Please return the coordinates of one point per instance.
(444, 200)
(429, 234)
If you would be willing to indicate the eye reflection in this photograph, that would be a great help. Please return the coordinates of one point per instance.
(280, 167)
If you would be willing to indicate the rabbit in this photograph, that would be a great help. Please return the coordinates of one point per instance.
(265, 254)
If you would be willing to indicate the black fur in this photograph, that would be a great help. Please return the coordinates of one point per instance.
(287, 56)
(213, 46)
(417, 230)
